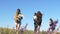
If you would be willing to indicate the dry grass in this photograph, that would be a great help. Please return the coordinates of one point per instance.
(13, 31)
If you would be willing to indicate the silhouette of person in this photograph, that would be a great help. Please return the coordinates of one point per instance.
(37, 21)
(52, 25)
(17, 18)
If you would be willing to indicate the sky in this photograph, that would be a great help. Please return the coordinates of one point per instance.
(49, 9)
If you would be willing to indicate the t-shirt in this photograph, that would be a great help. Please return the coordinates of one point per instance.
(35, 17)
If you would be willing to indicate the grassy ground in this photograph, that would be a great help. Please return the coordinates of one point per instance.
(12, 31)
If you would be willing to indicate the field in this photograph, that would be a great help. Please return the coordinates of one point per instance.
(13, 31)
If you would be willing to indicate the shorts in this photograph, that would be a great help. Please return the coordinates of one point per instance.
(52, 28)
(17, 22)
(37, 23)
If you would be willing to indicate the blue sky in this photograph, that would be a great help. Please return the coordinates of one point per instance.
(49, 8)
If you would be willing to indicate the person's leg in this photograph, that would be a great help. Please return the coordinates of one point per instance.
(49, 30)
(16, 28)
(38, 29)
(35, 28)
(16, 25)
(53, 29)
(39, 24)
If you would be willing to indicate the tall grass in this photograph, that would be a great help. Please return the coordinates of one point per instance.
(13, 31)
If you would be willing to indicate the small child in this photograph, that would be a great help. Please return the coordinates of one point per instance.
(52, 25)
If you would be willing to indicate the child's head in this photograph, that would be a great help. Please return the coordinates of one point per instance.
(18, 10)
(51, 20)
